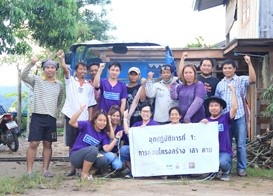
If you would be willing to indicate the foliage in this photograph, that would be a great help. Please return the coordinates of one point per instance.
(200, 43)
(13, 106)
(20, 185)
(52, 24)
(267, 95)
(260, 173)
(15, 186)
(60, 131)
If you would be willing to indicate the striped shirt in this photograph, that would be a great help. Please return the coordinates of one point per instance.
(240, 84)
(47, 96)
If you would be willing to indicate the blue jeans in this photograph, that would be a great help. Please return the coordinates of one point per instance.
(225, 160)
(112, 159)
(125, 153)
(238, 130)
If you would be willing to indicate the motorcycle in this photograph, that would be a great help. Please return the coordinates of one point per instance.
(9, 132)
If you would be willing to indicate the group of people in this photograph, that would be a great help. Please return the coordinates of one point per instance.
(99, 112)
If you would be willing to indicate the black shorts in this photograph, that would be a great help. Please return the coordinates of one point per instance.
(71, 133)
(42, 127)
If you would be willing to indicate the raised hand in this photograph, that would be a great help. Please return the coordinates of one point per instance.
(109, 120)
(184, 55)
(125, 114)
(34, 60)
(247, 59)
(143, 81)
(150, 75)
(102, 65)
(119, 134)
(82, 108)
(60, 54)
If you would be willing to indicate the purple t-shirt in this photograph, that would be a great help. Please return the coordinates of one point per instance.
(138, 124)
(223, 128)
(111, 95)
(186, 95)
(88, 136)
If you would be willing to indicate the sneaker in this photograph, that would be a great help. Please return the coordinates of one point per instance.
(242, 173)
(164, 177)
(129, 176)
(219, 174)
(225, 177)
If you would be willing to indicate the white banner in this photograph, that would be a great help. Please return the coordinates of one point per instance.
(174, 149)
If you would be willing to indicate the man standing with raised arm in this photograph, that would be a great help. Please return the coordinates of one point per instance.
(238, 126)
(78, 92)
(47, 96)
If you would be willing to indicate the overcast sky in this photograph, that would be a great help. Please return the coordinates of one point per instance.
(171, 22)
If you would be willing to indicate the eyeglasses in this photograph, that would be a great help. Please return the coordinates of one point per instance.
(145, 111)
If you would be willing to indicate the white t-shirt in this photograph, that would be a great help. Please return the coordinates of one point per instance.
(77, 95)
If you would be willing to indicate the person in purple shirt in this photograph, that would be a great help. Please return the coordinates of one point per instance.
(114, 117)
(85, 153)
(146, 114)
(113, 92)
(190, 94)
(206, 67)
(215, 106)
(175, 115)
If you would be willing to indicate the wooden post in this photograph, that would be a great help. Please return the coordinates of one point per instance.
(19, 102)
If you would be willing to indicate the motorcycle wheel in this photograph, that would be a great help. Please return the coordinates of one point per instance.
(12, 141)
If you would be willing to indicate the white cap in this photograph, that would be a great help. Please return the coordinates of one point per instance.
(135, 69)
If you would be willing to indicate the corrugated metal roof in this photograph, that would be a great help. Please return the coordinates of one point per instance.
(249, 45)
(206, 4)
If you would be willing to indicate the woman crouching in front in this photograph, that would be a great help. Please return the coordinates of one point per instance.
(85, 153)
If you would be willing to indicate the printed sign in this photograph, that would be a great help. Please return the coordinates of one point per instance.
(174, 149)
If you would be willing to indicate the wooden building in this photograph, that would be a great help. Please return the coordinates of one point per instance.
(249, 30)
(262, 59)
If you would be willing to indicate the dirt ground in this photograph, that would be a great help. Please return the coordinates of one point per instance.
(121, 186)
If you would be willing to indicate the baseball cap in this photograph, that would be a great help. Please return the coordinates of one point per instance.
(166, 67)
(135, 69)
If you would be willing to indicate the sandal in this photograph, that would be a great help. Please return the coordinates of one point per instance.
(90, 177)
(70, 173)
(48, 174)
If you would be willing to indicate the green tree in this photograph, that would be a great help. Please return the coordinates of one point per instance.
(50, 23)
(200, 43)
